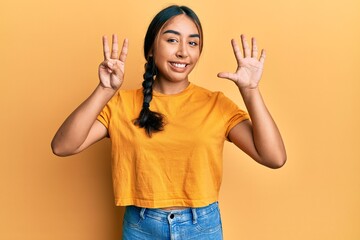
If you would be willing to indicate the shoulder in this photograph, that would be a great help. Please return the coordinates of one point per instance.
(123, 94)
(129, 92)
(125, 97)
(217, 98)
(206, 92)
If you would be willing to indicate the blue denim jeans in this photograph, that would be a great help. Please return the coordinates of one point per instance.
(191, 223)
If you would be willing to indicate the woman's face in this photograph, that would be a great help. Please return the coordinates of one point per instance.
(176, 49)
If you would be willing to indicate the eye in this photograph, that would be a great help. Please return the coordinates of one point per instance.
(194, 44)
(172, 40)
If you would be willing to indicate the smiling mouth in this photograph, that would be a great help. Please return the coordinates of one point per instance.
(179, 65)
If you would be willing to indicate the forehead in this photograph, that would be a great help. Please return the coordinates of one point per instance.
(181, 23)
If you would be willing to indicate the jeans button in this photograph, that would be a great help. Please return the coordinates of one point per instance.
(172, 216)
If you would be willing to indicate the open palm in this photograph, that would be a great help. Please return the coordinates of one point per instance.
(250, 68)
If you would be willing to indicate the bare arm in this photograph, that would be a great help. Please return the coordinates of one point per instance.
(81, 129)
(259, 138)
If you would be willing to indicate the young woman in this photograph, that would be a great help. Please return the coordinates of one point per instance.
(167, 137)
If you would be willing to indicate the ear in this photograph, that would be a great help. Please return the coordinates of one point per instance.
(151, 52)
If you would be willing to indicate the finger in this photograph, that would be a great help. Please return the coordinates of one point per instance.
(106, 48)
(107, 65)
(116, 69)
(104, 66)
(262, 56)
(115, 47)
(245, 45)
(124, 50)
(227, 75)
(254, 50)
(237, 52)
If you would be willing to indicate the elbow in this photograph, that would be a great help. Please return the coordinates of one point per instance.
(273, 161)
(277, 158)
(58, 153)
(58, 150)
(277, 162)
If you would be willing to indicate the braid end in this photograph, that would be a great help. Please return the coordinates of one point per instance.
(151, 121)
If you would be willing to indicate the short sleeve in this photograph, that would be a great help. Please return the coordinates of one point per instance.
(231, 113)
(105, 114)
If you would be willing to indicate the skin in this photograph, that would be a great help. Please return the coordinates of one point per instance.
(178, 42)
(176, 51)
(81, 129)
(260, 138)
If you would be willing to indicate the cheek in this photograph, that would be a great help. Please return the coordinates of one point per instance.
(162, 54)
(160, 60)
(195, 56)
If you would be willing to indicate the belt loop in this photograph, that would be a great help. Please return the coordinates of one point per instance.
(142, 212)
(194, 214)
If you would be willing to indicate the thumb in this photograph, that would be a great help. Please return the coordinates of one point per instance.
(227, 75)
(116, 69)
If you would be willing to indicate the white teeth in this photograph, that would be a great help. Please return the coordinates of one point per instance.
(179, 65)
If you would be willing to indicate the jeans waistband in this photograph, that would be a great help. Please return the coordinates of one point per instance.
(180, 215)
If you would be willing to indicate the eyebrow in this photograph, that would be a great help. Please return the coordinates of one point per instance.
(177, 33)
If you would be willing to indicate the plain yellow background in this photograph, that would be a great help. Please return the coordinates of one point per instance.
(49, 55)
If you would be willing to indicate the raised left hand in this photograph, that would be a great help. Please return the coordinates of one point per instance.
(250, 68)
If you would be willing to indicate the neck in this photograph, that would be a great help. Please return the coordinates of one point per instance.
(170, 88)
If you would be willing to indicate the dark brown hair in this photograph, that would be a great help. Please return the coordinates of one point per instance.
(153, 121)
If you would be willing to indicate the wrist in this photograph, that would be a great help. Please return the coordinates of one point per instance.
(106, 92)
(248, 90)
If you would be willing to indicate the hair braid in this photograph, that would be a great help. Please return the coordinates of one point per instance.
(149, 120)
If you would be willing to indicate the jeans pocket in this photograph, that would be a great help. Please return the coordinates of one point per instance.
(209, 223)
(132, 217)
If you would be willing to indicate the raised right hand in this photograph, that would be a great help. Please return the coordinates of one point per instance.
(111, 70)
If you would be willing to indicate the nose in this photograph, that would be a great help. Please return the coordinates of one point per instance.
(182, 51)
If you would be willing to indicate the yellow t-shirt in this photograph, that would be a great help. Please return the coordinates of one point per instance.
(179, 166)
